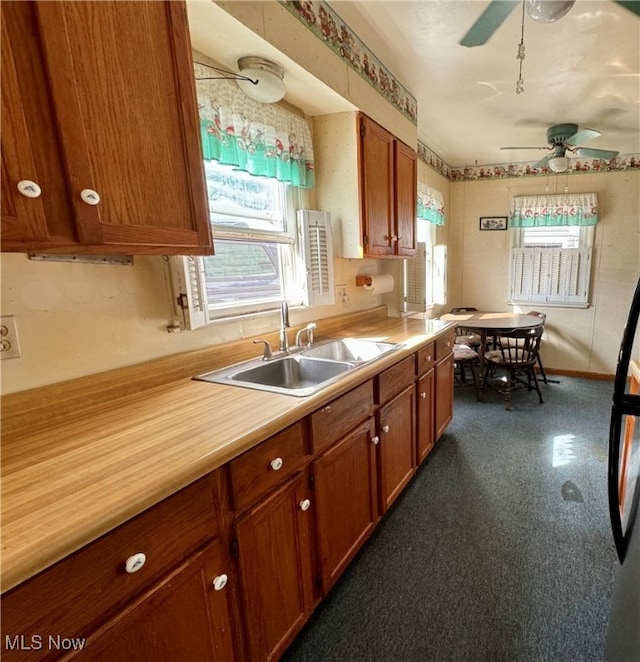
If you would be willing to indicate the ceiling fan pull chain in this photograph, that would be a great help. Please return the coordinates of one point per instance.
(520, 56)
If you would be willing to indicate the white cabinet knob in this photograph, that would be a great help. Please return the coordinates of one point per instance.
(375, 440)
(135, 562)
(423, 395)
(394, 238)
(29, 189)
(385, 428)
(305, 505)
(220, 582)
(89, 196)
(277, 464)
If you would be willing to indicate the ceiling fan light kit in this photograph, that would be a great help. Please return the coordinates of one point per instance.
(264, 80)
(559, 163)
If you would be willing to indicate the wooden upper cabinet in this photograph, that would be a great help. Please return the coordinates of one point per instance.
(406, 178)
(102, 116)
(389, 192)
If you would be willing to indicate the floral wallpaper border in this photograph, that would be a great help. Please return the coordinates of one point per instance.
(327, 25)
(509, 170)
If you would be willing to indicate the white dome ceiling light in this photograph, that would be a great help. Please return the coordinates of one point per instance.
(262, 80)
(548, 11)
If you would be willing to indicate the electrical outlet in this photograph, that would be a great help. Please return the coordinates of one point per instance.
(9, 343)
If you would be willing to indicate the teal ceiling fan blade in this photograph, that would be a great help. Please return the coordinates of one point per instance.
(606, 154)
(543, 162)
(631, 5)
(582, 136)
(488, 22)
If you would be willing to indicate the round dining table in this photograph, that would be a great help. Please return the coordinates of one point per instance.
(487, 324)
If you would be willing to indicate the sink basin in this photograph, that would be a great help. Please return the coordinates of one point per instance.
(351, 349)
(304, 372)
(292, 375)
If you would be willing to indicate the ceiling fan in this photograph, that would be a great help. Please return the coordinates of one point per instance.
(543, 11)
(564, 138)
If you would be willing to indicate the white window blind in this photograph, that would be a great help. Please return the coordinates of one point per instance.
(554, 276)
(426, 278)
(314, 232)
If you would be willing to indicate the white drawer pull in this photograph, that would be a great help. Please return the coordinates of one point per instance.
(220, 582)
(89, 196)
(385, 428)
(305, 505)
(423, 395)
(135, 562)
(375, 440)
(29, 189)
(277, 464)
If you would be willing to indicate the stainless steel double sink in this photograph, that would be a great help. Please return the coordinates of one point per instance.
(304, 371)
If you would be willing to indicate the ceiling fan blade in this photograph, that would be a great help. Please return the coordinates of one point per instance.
(525, 148)
(605, 154)
(582, 137)
(488, 22)
(543, 162)
(631, 5)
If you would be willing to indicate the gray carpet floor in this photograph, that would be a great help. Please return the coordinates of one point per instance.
(500, 548)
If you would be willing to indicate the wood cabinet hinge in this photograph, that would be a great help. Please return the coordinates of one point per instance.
(233, 548)
(362, 128)
(312, 481)
(319, 582)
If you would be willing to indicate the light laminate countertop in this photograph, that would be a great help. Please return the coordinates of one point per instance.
(64, 486)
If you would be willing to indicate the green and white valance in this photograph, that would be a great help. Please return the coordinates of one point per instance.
(544, 210)
(430, 205)
(261, 139)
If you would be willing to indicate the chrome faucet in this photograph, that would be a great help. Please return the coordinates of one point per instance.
(309, 331)
(284, 325)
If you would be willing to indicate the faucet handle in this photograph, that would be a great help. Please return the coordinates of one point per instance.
(267, 349)
(309, 330)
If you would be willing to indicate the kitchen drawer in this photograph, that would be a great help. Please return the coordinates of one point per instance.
(72, 597)
(426, 358)
(333, 421)
(395, 379)
(257, 471)
(444, 345)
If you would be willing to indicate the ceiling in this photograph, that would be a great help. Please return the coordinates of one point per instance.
(583, 69)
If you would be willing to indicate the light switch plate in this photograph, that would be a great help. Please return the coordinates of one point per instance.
(9, 343)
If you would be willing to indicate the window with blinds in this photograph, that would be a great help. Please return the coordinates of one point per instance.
(551, 265)
(553, 276)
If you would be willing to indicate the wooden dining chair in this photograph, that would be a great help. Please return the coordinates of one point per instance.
(543, 317)
(466, 336)
(516, 354)
(465, 357)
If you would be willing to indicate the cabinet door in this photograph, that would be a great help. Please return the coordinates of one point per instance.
(444, 395)
(185, 617)
(276, 569)
(377, 189)
(29, 148)
(425, 415)
(396, 450)
(123, 98)
(406, 188)
(345, 496)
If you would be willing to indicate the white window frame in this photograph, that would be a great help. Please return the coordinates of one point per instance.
(425, 275)
(550, 274)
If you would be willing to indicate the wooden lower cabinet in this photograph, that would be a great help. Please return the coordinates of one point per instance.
(276, 568)
(425, 416)
(184, 617)
(396, 450)
(345, 487)
(444, 395)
